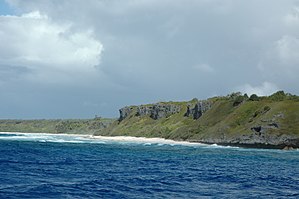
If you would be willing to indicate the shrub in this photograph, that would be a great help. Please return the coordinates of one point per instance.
(234, 95)
(254, 97)
(278, 96)
(238, 100)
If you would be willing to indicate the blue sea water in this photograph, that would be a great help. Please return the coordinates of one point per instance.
(57, 166)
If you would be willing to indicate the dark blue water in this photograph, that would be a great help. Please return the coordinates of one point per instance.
(34, 169)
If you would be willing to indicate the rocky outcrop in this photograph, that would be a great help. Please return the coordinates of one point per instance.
(155, 111)
(266, 125)
(270, 139)
(158, 111)
(266, 135)
(164, 110)
(199, 109)
(288, 148)
(124, 113)
(144, 110)
(257, 140)
(263, 128)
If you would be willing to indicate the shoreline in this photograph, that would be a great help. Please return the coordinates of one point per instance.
(156, 140)
(118, 138)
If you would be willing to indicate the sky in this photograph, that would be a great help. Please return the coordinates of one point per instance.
(78, 59)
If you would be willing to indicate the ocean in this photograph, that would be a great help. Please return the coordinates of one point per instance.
(61, 166)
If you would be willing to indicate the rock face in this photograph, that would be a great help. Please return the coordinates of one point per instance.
(266, 125)
(257, 140)
(124, 112)
(155, 111)
(158, 111)
(265, 135)
(199, 109)
(163, 110)
(144, 110)
(263, 128)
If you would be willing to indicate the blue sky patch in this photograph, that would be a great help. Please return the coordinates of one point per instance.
(5, 9)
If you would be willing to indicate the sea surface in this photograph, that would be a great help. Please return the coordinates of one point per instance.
(60, 166)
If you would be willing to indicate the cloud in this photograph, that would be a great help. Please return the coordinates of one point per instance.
(281, 57)
(52, 52)
(155, 50)
(292, 19)
(282, 60)
(204, 68)
(266, 88)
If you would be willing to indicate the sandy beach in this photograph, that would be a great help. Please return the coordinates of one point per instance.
(143, 140)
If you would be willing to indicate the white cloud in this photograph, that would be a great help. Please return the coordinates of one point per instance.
(283, 58)
(204, 68)
(292, 19)
(267, 88)
(51, 51)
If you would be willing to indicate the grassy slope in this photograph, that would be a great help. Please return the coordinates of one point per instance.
(76, 126)
(223, 119)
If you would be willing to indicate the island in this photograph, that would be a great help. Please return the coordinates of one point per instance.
(233, 120)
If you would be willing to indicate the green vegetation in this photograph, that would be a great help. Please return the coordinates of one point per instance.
(254, 97)
(240, 99)
(75, 126)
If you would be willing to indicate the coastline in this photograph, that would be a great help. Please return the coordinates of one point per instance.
(154, 140)
(269, 122)
(128, 139)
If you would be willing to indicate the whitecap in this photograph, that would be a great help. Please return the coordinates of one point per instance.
(77, 138)
(220, 146)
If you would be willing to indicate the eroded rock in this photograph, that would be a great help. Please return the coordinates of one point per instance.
(264, 128)
(124, 113)
(199, 109)
(157, 111)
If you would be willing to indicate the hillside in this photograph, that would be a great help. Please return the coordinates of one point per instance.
(267, 122)
(74, 126)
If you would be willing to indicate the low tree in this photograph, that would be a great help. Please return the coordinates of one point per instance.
(238, 100)
(254, 97)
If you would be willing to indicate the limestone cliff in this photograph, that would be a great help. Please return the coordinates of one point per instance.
(124, 113)
(200, 108)
(155, 111)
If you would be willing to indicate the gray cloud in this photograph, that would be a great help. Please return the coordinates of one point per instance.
(153, 51)
(47, 48)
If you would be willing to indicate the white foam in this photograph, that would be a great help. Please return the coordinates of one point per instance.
(221, 146)
(44, 137)
(143, 140)
(81, 138)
